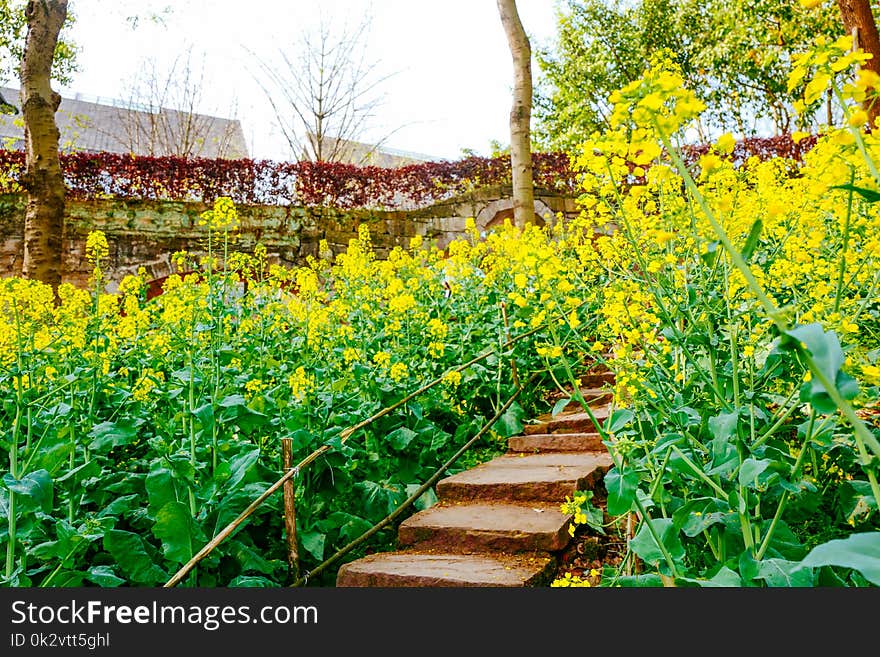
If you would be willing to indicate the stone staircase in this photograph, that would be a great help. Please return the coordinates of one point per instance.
(499, 524)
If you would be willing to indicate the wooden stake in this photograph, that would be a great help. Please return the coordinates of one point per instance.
(289, 493)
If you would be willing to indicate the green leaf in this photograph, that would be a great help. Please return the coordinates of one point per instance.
(205, 415)
(426, 500)
(752, 240)
(781, 572)
(121, 505)
(723, 425)
(510, 424)
(860, 552)
(131, 556)
(349, 526)
(113, 434)
(870, 195)
(829, 358)
(103, 576)
(81, 472)
(711, 253)
(36, 487)
(401, 437)
(160, 489)
(250, 559)
(639, 581)
(644, 545)
(233, 400)
(724, 456)
(724, 578)
(240, 467)
(750, 469)
(252, 581)
(621, 490)
(177, 531)
(559, 405)
(313, 543)
(698, 515)
(618, 420)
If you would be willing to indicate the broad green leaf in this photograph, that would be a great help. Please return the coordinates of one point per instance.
(425, 501)
(724, 456)
(723, 425)
(439, 440)
(240, 467)
(639, 581)
(510, 423)
(205, 415)
(103, 576)
(252, 581)
(121, 505)
(250, 559)
(829, 358)
(313, 543)
(379, 500)
(870, 195)
(179, 534)
(644, 545)
(750, 469)
(113, 434)
(860, 552)
(160, 489)
(618, 420)
(233, 400)
(857, 500)
(559, 405)
(81, 472)
(131, 556)
(752, 240)
(349, 526)
(693, 520)
(67, 579)
(724, 578)
(401, 437)
(35, 487)
(621, 490)
(781, 572)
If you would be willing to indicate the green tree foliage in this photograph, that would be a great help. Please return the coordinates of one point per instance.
(736, 52)
(13, 28)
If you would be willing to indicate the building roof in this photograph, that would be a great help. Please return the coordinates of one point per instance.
(94, 124)
(349, 151)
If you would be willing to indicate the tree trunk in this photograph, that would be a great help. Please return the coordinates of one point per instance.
(857, 15)
(520, 115)
(44, 221)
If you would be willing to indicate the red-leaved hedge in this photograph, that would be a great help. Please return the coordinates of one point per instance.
(266, 182)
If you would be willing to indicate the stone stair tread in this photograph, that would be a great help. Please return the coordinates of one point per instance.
(517, 477)
(567, 422)
(556, 442)
(487, 525)
(413, 569)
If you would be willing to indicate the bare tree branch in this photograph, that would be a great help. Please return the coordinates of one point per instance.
(162, 113)
(325, 94)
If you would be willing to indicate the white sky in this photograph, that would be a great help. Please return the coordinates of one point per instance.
(451, 66)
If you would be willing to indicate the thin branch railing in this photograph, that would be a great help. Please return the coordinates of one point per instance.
(344, 435)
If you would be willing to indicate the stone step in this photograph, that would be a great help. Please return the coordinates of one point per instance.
(518, 477)
(567, 422)
(597, 379)
(556, 442)
(487, 527)
(593, 396)
(398, 569)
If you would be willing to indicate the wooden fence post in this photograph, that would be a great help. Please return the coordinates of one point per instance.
(289, 492)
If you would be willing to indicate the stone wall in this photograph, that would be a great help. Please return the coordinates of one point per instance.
(147, 233)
